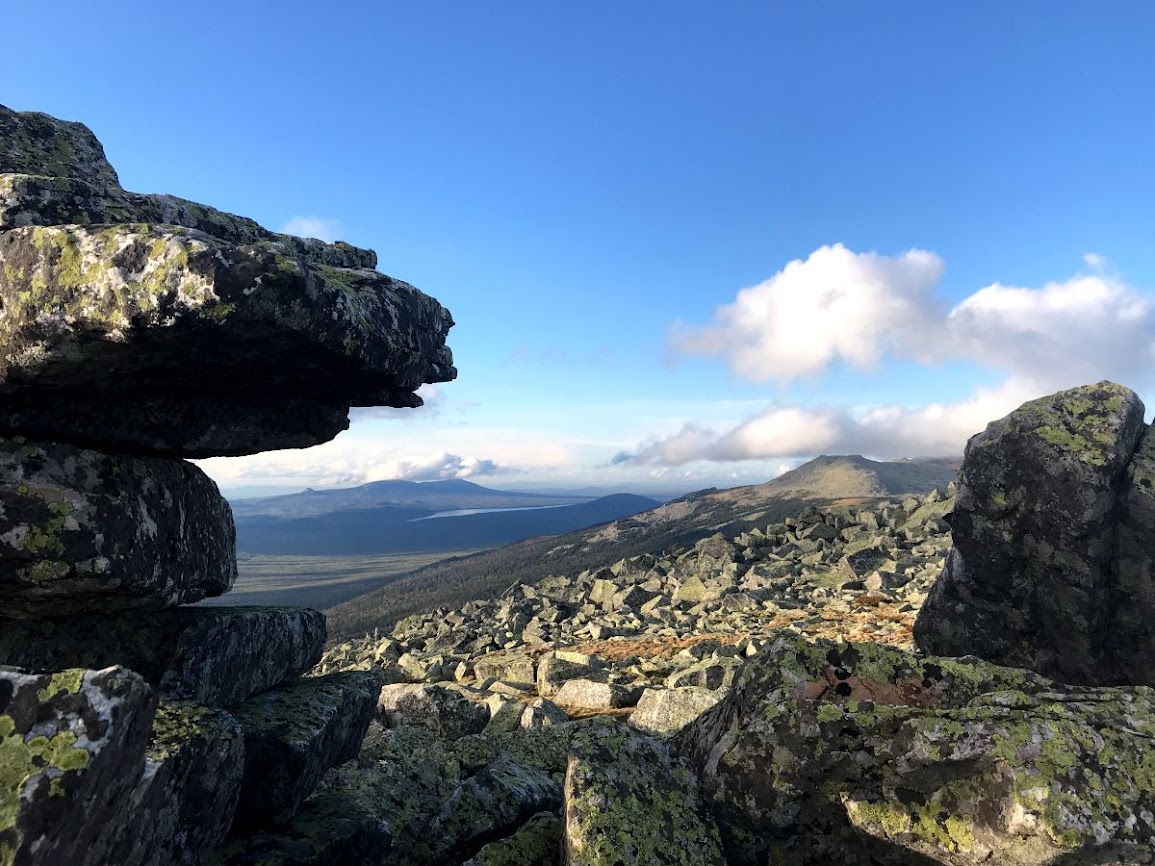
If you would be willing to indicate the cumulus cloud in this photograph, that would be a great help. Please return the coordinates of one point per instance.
(327, 466)
(836, 305)
(784, 431)
(856, 308)
(312, 227)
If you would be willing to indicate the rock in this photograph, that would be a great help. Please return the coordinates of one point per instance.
(664, 712)
(509, 667)
(490, 804)
(80, 529)
(536, 843)
(37, 144)
(294, 733)
(593, 695)
(175, 313)
(542, 712)
(184, 805)
(73, 750)
(217, 656)
(447, 712)
(628, 802)
(1130, 638)
(1028, 582)
(714, 673)
(839, 753)
(332, 828)
(554, 668)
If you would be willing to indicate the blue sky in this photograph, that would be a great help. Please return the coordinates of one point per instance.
(685, 244)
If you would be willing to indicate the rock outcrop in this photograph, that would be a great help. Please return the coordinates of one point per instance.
(135, 331)
(126, 318)
(1051, 564)
(827, 753)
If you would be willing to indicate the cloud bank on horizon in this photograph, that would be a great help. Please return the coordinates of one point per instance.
(856, 309)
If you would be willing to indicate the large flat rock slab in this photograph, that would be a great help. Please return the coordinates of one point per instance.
(72, 750)
(217, 656)
(843, 754)
(131, 336)
(83, 530)
(1029, 581)
(294, 733)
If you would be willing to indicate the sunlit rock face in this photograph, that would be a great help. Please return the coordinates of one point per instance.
(155, 325)
(1051, 566)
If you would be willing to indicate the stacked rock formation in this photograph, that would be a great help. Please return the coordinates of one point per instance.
(136, 331)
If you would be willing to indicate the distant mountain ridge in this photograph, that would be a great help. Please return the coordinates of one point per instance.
(401, 529)
(447, 495)
(679, 522)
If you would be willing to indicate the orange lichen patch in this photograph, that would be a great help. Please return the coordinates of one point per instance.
(906, 692)
(622, 648)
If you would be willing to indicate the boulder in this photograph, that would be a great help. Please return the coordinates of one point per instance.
(842, 754)
(664, 712)
(217, 656)
(82, 530)
(332, 828)
(446, 712)
(73, 749)
(294, 733)
(184, 804)
(541, 713)
(126, 315)
(128, 337)
(1028, 583)
(1130, 638)
(627, 801)
(537, 842)
(489, 804)
(592, 695)
(509, 667)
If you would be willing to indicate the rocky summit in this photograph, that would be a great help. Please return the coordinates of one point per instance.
(126, 317)
(134, 331)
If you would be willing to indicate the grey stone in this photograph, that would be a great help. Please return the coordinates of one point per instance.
(184, 804)
(542, 712)
(537, 842)
(628, 801)
(73, 747)
(294, 733)
(444, 711)
(664, 712)
(126, 316)
(1028, 582)
(82, 530)
(593, 695)
(843, 754)
(217, 656)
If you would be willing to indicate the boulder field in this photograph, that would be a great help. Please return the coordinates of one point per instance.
(750, 700)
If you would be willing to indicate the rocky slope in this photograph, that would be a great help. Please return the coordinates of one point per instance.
(755, 699)
(680, 522)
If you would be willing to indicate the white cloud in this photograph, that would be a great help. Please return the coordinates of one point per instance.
(841, 306)
(885, 432)
(857, 308)
(312, 227)
(1095, 261)
(836, 305)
